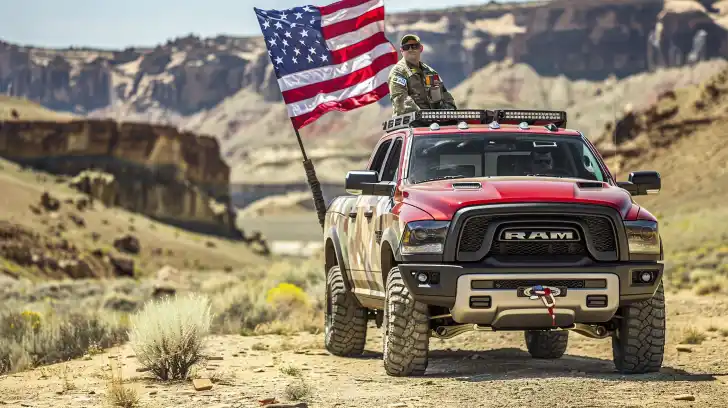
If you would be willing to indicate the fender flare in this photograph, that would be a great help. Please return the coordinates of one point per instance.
(333, 236)
(392, 239)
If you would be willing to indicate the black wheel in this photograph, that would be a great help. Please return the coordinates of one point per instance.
(406, 330)
(546, 344)
(345, 328)
(638, 344)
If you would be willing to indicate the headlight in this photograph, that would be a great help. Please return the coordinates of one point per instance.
(424, 237)
(643, 237)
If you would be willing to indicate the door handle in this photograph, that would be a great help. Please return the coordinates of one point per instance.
(352, 214)
(368, 213)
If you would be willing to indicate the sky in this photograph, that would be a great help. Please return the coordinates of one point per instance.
(120, 24)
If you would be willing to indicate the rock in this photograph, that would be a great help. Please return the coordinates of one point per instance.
(684, 348)
(156, 170)
(684, 397)
(202, 384)
(49, 202)
(167, 273)
(122, 266)
(77, 219)
(82, 204)
(162, 290)
(128, 243)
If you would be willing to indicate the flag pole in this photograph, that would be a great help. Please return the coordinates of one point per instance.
(313, 183)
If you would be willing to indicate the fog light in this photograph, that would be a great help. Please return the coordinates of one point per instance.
(422, 277)
(646, 277)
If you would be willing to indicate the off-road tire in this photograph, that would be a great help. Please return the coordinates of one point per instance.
(345, 326)
(638, 344)
(406, 330)
(546, 344)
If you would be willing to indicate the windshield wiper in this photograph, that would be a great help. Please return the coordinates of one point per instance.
(544, 175)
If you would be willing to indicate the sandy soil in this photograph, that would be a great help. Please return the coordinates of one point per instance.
(463, 372)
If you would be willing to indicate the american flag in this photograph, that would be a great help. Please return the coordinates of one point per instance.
(333, 57)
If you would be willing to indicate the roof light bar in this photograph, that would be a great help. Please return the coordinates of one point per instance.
(425, 117)
(448, 115)
(531, 117)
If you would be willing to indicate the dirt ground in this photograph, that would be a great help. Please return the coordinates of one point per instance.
(463, 372)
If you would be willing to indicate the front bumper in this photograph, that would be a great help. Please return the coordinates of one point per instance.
(490, 296)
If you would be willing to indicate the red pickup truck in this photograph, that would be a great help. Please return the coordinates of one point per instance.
(492, 220)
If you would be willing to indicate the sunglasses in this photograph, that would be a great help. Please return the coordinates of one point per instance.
(411, 47)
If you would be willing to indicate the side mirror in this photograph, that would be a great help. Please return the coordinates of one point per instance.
(366, 182)
(642, 183)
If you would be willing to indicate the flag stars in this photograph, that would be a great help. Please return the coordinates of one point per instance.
(282, 34)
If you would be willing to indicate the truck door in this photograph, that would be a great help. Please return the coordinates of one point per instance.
(356, 237)
(381, 217)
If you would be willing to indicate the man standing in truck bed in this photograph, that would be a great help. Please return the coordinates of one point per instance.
(414, 85)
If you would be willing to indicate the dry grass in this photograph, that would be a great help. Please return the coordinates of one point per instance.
(118, 395)
(299, 390)
(692, 335)
(282, 299)
(168, 335)
(56, 321)
(30, 338)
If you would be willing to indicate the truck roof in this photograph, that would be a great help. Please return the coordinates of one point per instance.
(479, 128)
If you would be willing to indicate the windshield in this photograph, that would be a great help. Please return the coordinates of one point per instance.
(492, 155)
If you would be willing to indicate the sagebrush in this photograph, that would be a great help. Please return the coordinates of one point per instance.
(168, 335)
(31, 338)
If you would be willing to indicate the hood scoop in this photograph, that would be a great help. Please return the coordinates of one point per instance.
(467, 185)
(590, 184)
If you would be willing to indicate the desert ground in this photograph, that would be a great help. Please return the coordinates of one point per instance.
(250, 371)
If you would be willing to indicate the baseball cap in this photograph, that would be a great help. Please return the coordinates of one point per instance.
(409, 37)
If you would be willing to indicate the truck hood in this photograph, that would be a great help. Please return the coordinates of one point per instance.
(442, 200)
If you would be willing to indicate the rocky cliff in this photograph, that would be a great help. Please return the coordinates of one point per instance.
(590, 57)
(173, 176)
(589, 39)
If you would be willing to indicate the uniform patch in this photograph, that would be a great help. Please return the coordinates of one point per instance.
(398, 79)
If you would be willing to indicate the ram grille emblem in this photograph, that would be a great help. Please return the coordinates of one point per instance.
(539, 234)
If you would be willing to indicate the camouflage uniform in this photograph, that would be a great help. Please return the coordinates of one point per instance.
(409, 86)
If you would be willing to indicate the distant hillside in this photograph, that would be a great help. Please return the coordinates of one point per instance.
(590, 57)
(22, 109)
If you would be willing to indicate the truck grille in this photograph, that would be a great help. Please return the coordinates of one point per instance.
(476, 235)
(537, 248)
